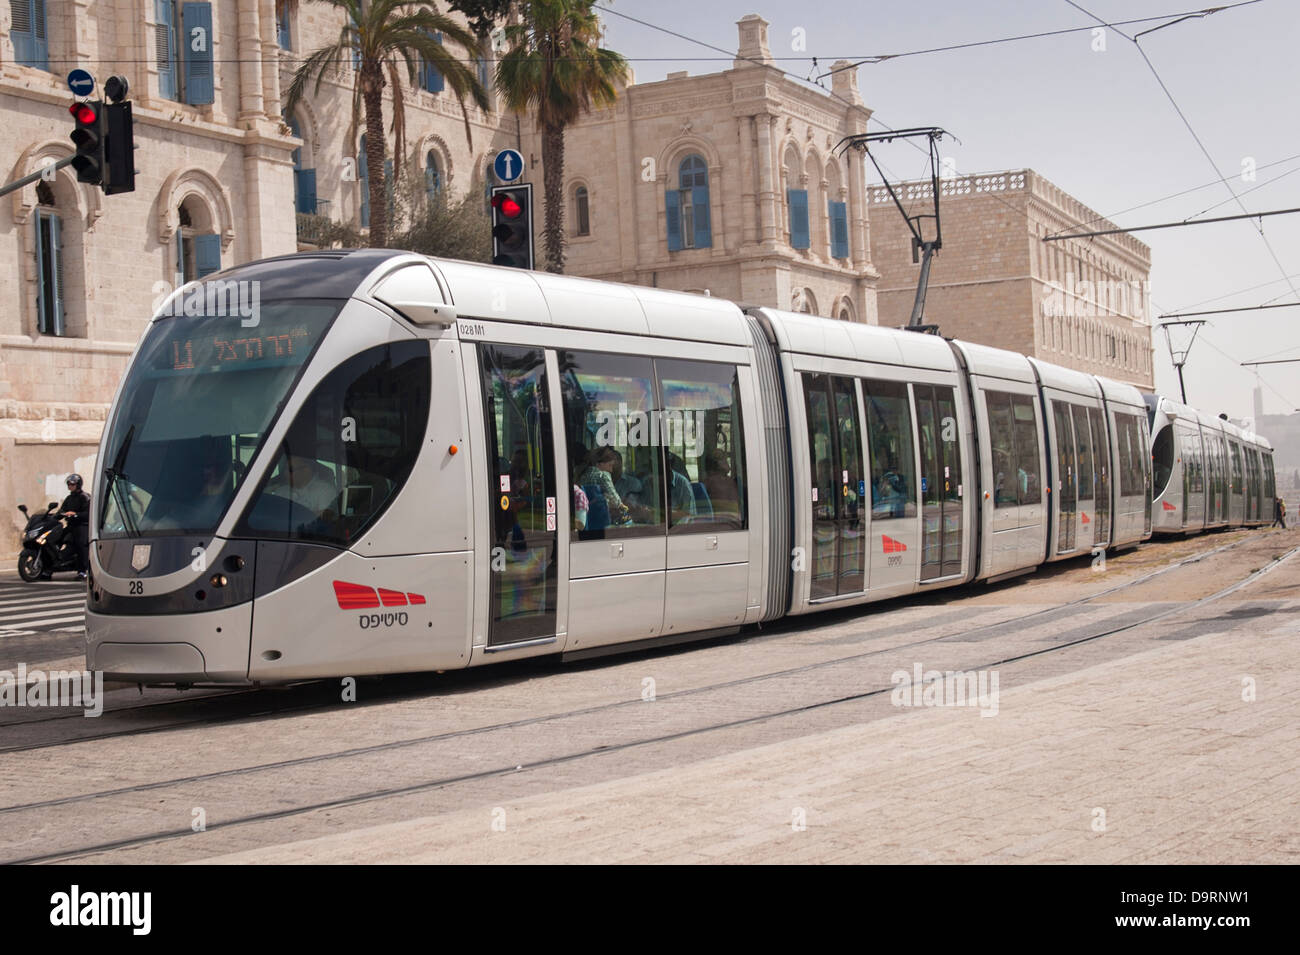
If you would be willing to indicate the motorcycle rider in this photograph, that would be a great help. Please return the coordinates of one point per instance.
(76, 507)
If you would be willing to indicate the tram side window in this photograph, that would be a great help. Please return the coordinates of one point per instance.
(1002, 434)
(1029, 484)
(1083, 446)
(612, 433)
(700, 430)
(1162, 455)
(349, 451)
(893, 460)
(1131, 479)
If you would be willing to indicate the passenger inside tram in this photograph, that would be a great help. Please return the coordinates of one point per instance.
(722, 489)
(681, 496)
(606, 507)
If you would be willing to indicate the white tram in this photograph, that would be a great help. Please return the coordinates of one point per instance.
(400, 463)
(1207, 472)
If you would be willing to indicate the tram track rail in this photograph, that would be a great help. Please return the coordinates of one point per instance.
(588, 752)
(401, 693)
(396, 693)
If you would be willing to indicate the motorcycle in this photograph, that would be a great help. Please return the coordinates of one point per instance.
(47, 545)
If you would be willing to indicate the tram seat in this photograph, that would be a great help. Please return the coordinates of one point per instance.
(597, 508)
(703, 506)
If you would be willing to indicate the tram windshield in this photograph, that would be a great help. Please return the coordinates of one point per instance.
(195, 407)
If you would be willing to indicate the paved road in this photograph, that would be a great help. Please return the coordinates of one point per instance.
(1130, 701)
(41, 622)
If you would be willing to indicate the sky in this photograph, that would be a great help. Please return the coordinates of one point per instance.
(1096, 122)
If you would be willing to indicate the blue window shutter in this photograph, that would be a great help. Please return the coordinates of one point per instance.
(164, 44)
(673, 209)
(283, 35)
(56, 248)
(197, 21)
(798, 200)
(839, 216)
(42, 320)
(433, 81)
(20, 31)
(27, 30)
(700, 200)
(207, 254)
(305, 188)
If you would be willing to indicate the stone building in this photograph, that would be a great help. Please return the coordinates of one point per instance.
(1081, 303)
(219, 175)
(728, 183)
(79, 270)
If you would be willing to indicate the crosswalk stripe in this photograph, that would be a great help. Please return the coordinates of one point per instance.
(30, 600)
(24, 619)
(49, 620)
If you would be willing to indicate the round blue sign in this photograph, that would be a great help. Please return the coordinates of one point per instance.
(81, 83)
(509, 165)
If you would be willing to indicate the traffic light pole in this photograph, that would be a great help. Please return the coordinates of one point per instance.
(38, 174)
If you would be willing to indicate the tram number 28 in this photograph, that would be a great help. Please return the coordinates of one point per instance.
(135, 587)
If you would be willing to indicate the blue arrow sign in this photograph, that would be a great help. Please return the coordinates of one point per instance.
(81, 83)
(509, 165)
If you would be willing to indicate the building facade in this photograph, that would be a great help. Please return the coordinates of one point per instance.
(220, 172)
(728, 183)
(79, 271)
(1081, 303)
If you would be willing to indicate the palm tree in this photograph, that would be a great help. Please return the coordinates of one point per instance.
(554, 68)
(378, 35)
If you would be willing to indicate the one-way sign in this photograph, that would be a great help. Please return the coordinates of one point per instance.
(81, 83)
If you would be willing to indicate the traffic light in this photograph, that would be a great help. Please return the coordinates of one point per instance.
(88, 135)
(512, 225)
(120, 151)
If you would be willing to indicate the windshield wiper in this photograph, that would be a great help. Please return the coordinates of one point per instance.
(113, 472)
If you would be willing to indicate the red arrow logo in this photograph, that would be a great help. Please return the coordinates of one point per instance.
(892, 546)
(1167, 506)
(361, 597)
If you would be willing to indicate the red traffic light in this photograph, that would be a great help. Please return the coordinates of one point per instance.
(83, 113)
(507, 206)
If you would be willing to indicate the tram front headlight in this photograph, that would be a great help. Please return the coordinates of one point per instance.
(218, 580)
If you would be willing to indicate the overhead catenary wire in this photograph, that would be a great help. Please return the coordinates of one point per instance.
(1186, 122)
(1170, 225)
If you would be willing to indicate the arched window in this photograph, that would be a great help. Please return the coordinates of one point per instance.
(432, 175)
(363, 180)
(198, 247)
(687, 206)
(304, 180)
(582, 211)
(49, 264)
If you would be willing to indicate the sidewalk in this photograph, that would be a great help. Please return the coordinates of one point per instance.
(1162, 743)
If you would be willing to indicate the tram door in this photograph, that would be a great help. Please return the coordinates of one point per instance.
(1085, 477)
(835, 451)
(1101, 476)
(522, 495)
(1066, 478)
(941, 482)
